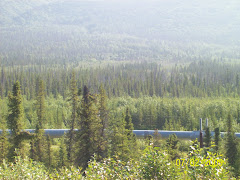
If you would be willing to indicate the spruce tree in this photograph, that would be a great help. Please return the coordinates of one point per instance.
(39, 141)
(217, 138)
(128, 125)
(89, 131)
(231, 144)
(207, 138)
(103, 114)
(4, 145)
(39, 145)
(74, 103)
(48, 151)
(40, 105)
(172, 143)
(15, 110)
(15, 119)
(129, 132)
(119, 144)
(63, 159)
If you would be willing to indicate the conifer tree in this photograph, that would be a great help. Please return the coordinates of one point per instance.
(207, 138)
(103, 114)
(128, 125)
(156, 139)
(15, 119)
(48, 151)
(140, 118)
(39, 145)
(40, 105)
(129, 132)
(89, 133)
(172, 143)
(32, 150)
(3, 145)
(15, 110)
(74, 103)
(119, 143)
(231, 144)
(39, 141)
(217, 138)
(63, 159)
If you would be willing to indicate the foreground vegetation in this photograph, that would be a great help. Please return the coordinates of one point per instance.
(152, 164)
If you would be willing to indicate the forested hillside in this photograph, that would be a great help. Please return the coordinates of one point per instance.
(60, 32)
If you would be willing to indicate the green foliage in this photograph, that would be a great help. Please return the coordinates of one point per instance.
(205, 166)
(63, 160)
(67, 173)
(90, 125)
(207, 137)
(48, 151)
(23, 168)
(15, 120)
(39, 145)
(15, 111)
(4, 145)
(112, 169)
(156, 139)
(40, 105)
(217, 138)
(231, 146)
(172, 146)
(156, 164)
(153, 164)
(118, 140)
(75, 106)
(103, 114)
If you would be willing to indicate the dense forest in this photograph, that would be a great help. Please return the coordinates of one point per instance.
(102, 69)
(158, 97)
(107, 101)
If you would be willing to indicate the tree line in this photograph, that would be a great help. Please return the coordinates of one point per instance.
(199, 79)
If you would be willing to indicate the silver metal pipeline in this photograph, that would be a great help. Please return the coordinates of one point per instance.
(57, 133)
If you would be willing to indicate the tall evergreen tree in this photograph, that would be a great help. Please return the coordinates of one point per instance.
(207, 138)
(89, 133)
(129, 132)
(128, 125)
(74, 103)
(217, 138)
(40, 105)
(103, 114)
(15, 110)
(231, 144)
(15, 119)
(48, 151)
(63, 159)
(38, 145)
(39, 141)
(119, 143)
